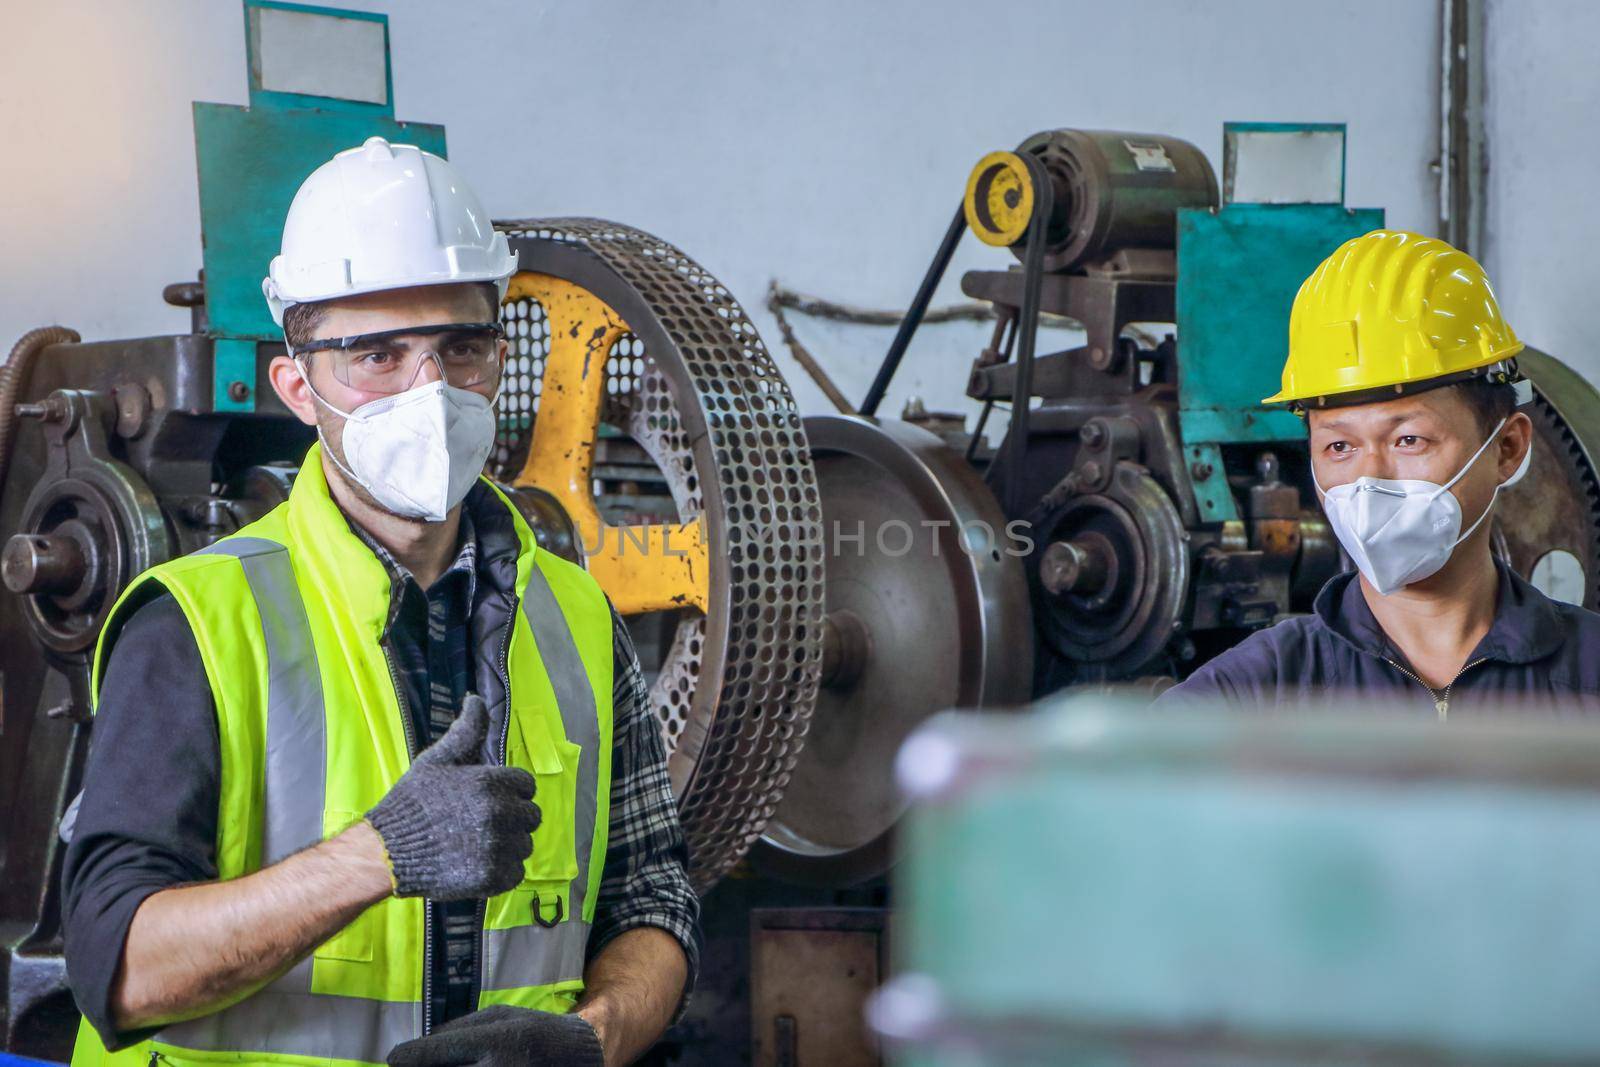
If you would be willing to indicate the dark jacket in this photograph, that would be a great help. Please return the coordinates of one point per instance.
(1539, 652)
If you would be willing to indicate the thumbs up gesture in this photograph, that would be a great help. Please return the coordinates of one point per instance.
(454, 828)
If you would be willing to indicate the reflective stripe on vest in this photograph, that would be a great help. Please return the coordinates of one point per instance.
(293, 788)
(290, 1019)
(510, 956)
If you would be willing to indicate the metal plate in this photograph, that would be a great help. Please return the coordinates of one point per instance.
(695, 387)
(1239, 270)
(811, 971)
(251, 162)
(917, 551)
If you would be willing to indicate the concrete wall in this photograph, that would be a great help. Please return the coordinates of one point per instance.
(1543, 218)
(821, 143)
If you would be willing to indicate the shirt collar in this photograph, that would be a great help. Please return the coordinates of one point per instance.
(489, 552)
(466, 561)
(1527, 626)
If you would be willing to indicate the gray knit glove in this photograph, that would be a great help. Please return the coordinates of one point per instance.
(454, 828)
(504, 1036)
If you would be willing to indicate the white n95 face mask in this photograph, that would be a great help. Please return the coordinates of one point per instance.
(417, 452)
(1402, 530)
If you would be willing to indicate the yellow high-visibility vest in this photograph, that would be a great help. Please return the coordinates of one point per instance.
(288, 615)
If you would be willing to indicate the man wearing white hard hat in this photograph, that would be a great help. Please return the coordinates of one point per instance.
(374, 779)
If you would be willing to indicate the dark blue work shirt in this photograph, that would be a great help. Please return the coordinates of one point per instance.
(1538, 652)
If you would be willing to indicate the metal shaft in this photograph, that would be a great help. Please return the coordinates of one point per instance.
(41, 563)
(846, 646)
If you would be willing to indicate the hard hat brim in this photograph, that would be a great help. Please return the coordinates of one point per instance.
(1371, 392)
(278, 301)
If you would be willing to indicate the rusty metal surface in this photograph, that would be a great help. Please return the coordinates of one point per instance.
(653, 563)
(694, 386)
(811, 972)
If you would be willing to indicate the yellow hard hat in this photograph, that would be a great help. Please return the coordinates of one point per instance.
(1389, 310)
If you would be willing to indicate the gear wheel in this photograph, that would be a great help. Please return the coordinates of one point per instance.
(1556, 508)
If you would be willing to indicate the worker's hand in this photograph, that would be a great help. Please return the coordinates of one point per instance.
(503, 1036)
(455, 829)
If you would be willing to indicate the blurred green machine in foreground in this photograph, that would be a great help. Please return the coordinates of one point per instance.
(1099, 885)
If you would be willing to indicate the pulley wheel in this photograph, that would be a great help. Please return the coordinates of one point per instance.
(1111, 574)
(627, 355)
(84, 535)
(82, 563)
(927, 609)
(1548, 525)
(999, 199)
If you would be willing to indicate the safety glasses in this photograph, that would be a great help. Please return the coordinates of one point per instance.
(390, 361)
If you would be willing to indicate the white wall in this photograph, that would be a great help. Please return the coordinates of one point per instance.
(821, 142)
(1543, 131)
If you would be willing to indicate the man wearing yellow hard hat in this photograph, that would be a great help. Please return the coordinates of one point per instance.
(1403, 366)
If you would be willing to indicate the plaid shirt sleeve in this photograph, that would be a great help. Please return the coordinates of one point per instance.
(645, 881)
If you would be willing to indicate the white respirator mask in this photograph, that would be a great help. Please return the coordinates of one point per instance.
(417, 452)
(1402, 530)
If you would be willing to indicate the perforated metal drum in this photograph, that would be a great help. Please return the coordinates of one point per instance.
(632, 367)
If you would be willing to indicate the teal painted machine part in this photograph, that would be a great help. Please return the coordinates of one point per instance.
(1212, 494)
(1106, 885)
(234, 378)
(251, 161)
(1239, 269)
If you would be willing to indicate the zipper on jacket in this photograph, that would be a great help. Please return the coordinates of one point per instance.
(1441, 700)
(427, 905)
(505, 736)
(1444, 703)
(505, 675)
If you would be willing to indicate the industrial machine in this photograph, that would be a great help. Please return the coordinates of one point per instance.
(803, 592)
(1153, 512)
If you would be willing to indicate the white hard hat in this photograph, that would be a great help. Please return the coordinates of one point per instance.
(380, 217)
